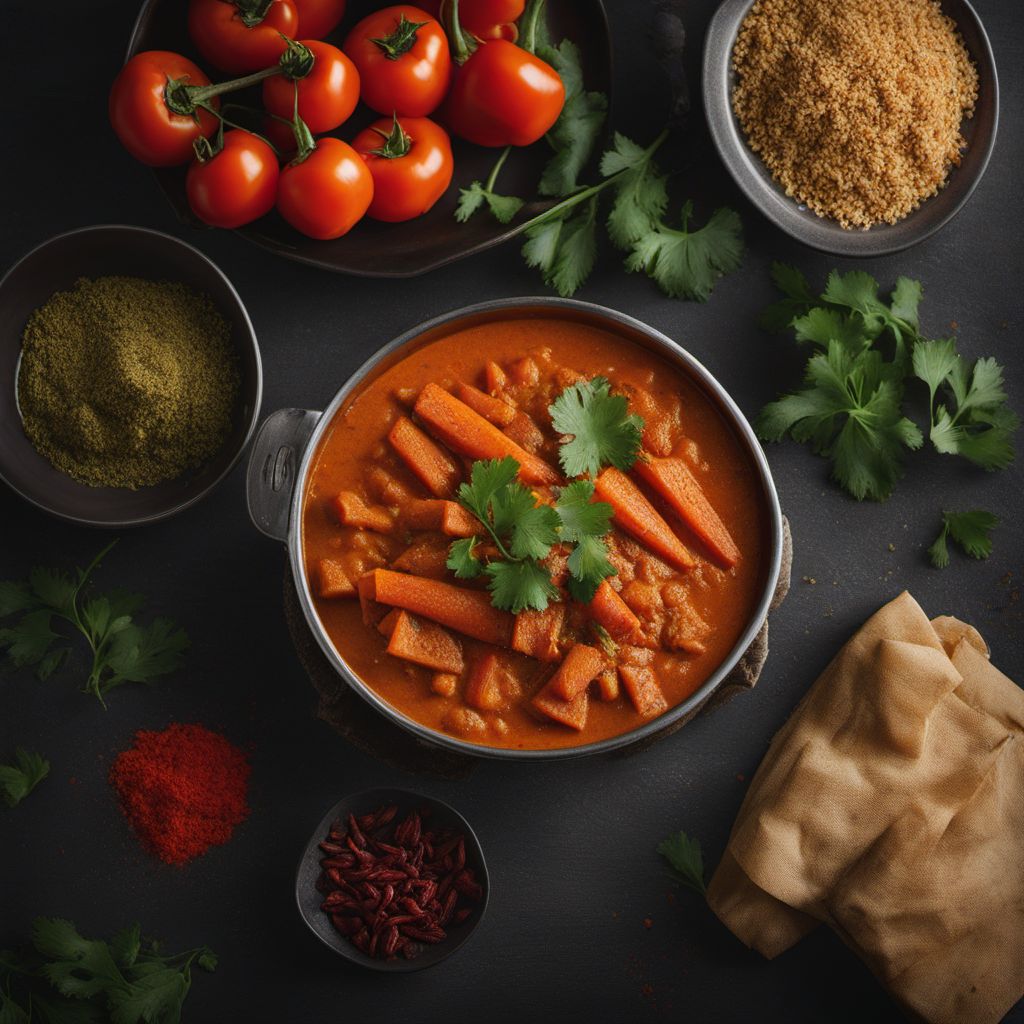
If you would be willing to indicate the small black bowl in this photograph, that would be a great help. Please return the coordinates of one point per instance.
(113, 249)
(309, 898)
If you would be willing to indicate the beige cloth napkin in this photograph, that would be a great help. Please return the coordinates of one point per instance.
(891, 807)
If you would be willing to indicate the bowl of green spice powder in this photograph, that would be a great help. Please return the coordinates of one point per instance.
(130, 376)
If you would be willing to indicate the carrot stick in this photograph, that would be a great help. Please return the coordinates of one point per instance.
(608, 685)
(466, 611)
(536, 633)
(483, 688)
(492, 409)
(637, 516)
(372, 611)
(496, 378)
(675, 482)
(468, 432)
(572, 713)
(353, 511)
(610, 611)
(643, 690)
(582, 665)
(386, 626)
(332, 580)
(437, 514)
(425, 643)
(427, 557)
(435, 468)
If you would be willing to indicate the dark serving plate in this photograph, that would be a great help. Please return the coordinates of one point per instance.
(308, 897)
(373, 249)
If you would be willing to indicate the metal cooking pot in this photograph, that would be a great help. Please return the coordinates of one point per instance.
(287, 442)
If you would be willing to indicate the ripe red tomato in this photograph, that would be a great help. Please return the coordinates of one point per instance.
(326, 193)
(402, 56)
(141, 118)
(237, 185)
(410, 159)
(327, 95)
(220, 31)
(317, 18)
(488, 19)
(504, 96)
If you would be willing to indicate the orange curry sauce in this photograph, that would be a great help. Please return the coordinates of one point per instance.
(689, 619)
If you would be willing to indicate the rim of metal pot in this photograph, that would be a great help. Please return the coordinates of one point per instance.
(671, 350)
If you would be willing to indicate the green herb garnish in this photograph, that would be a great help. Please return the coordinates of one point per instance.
(68, 979)
(19, 779)
(971, 530)
(122, 651)
(584, 523)
(684, 856)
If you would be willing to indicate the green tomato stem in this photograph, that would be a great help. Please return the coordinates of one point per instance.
(492, 179)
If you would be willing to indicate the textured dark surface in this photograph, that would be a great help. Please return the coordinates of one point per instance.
(570, 846)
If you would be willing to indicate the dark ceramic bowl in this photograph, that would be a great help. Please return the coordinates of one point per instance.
(796, 220)
(96, 252)
(374, 249)
(309, 898)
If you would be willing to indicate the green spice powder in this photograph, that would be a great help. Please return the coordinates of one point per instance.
(126, 382)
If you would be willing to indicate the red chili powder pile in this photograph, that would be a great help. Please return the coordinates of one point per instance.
(182, 789)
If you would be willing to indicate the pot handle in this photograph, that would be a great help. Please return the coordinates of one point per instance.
(274, 467)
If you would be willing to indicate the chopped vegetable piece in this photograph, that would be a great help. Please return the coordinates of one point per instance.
(437, 514)
(685, 630)
(536, 633)
(332, 579)
(444, 684)
(582, 665)
(352, 510)
(427, 557)
(425, 643)
(493, 409)
(386, 626)
(638, 517)
(572, 713)
(496, 378)
(433, 466)
(608, 685)
(611, 612)
(483, 688)
(643, 690)
(466, 611)
(372, 611)
(459, 427)
(675, 482)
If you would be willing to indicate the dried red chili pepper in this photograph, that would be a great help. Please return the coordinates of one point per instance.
(182, 789)
(390, 889)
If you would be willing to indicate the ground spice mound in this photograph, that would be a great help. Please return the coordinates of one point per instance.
(126, 382)
(855, 106)
(183, 790)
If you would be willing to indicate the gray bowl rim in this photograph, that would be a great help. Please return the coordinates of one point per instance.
(344, 948)
(253, 342)
(769, 198)
(665, 347)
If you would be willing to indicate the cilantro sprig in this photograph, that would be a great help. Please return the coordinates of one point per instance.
(122, 651)
(19, 779)
(971, 530)
(867, 352)
(67, 979)
(686, 861)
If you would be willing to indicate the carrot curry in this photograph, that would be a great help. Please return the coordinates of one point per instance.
(533, 533)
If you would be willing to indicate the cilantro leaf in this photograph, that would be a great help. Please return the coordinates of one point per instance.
(19, 779)
(684, 263)
(575, 134)
(588, 565)
(971, 530)
(462, 561)
(797, 301)
(580, 515)
(603, 432)
(140, 653)
(684, 856)
(504, 208)
(155, 996)
(516, 586)
(486, 478)
(564, 248)
(535, 530)
(641, 193)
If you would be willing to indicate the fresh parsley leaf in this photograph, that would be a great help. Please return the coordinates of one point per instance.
(603, 432)
(462, 561)
(575, 134)
(564, 248)
(122, 651)
(971, 530)
(684, 856)
(19, 779)
(504, 208)
(684, 263)
(516, 586)
(858, 291)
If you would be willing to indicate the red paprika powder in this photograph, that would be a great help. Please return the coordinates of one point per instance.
(183, 790)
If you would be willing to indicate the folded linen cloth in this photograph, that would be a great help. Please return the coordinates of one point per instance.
(891, 807)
